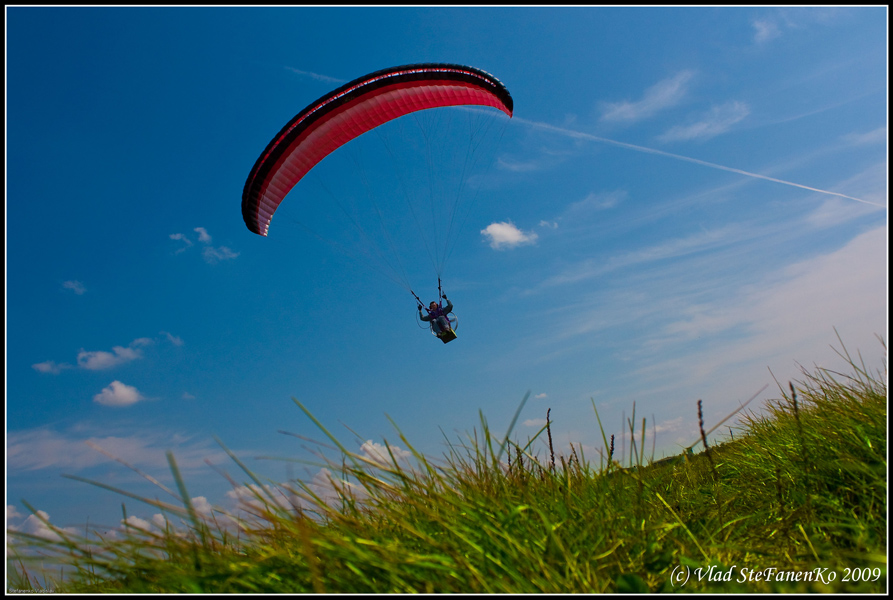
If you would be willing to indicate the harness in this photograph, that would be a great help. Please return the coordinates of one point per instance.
(438, 311)
(446, 334)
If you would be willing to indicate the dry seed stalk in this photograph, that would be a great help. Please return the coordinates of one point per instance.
(551, 451)
(704, 440)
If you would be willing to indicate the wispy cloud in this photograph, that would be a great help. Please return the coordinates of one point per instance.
(664, 94)
(782, 20)
(595, 202)
(788, 317)
(173, 339)
(504, 235)
(669, 426)
(51, 367)
(519, 166)
(872, 183)
(711, 323)
(49, 448)
(670, 249)
(586, 136)
(877, 136)
(834, 212)
(765, 30)
(75, 286)
(718, 120)
(739, 328)
(211, 254)
(182, 238)
(214, 255)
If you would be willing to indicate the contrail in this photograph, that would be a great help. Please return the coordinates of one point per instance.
(595, 138)
(316, 76)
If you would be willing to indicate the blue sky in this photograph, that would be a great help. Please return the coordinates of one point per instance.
(685, 205)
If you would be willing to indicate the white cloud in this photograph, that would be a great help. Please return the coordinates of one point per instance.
(378, 453)
(541, 396)
(668, 426)
(160, 521)
(39, 527)
(214, 255)
(118, 394)
(246, 497)
(330, 489)
(211, 254)
(534, 423)
(12, 513)
(176, 341)
(99, 359)
(715, 122)
(182, 238)
(75, 286)
(51, 367)
(203, 235)
(201, 505)
(134, 521)
(323, 485)
(662, 95)
(505, 235)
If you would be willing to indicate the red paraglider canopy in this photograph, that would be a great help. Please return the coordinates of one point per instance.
(350, 111)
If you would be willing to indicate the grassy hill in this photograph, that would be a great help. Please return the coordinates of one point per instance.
(796, 503)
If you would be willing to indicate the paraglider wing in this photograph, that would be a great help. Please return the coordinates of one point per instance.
(350, 111)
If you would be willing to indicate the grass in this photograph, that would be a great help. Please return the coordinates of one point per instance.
(801, 489)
